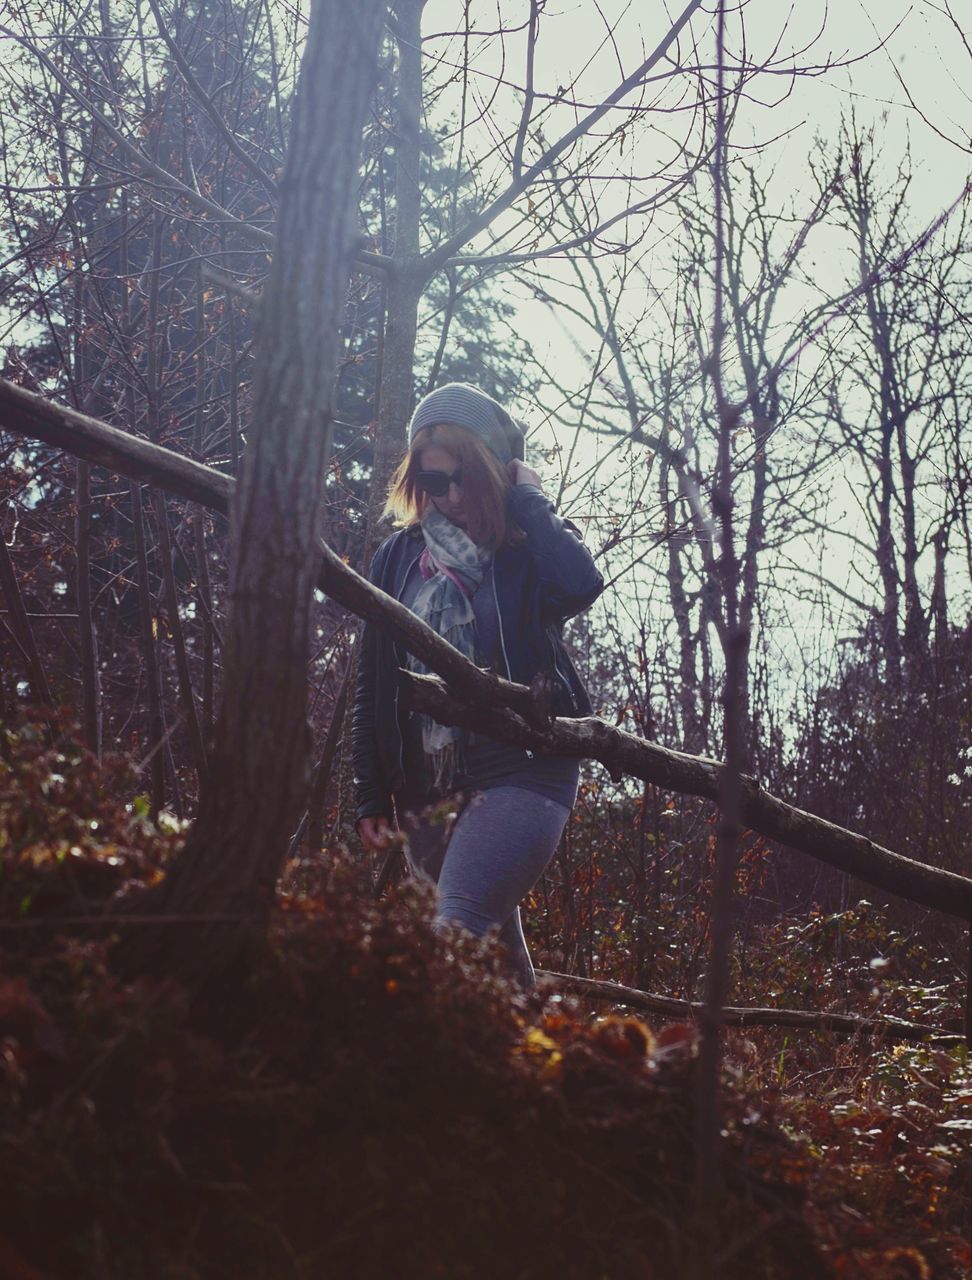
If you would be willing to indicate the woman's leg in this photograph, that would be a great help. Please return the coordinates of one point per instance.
(500, 845)
(426, 848)
(511, 936)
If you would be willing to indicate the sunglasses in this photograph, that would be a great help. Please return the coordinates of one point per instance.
(436, 483)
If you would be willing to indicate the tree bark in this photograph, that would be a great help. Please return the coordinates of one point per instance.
(325, 766)
(90, 681)
(187, 697)
(259, 763)
(406, 277)
(146, 614)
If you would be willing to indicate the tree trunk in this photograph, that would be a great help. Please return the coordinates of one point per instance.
(147, 625)
(90, 681)
(325, 766)
(403, 289)
(259, 764)
(187, 697)
(21, 629)
(197, 522)
(889, 405)
(407, 277)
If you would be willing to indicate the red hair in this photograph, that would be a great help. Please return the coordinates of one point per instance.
(485, 485)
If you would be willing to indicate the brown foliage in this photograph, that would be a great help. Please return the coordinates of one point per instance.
(373, 1100)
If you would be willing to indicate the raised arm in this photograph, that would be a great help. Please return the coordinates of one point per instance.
(570, 580)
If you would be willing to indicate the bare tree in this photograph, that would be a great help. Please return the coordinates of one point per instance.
(900, 386)
(258, 782)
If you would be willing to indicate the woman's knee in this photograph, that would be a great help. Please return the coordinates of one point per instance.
(467, 911)
(424, 850)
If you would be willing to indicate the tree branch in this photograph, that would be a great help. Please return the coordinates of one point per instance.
(34, 416)
(625, 753)
(507, 711)
(890, 1029)
(503, 201)
(201, 96)
(258, 236)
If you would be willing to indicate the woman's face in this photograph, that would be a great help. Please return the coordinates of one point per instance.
(453, 503)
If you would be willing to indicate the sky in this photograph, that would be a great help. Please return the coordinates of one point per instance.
(587, 43)
(905, 71)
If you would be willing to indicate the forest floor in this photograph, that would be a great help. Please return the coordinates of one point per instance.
(372, 1099)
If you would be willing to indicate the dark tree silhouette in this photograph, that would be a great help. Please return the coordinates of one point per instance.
(259, 774)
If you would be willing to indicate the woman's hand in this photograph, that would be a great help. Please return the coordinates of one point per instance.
(520, 473)
(373, 832)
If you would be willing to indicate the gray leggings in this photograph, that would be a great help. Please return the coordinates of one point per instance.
(499, 847)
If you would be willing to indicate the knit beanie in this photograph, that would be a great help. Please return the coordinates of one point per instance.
(463, 405)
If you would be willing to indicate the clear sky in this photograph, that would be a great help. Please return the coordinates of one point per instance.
(906, 71)
(894, 49)
(899, 66)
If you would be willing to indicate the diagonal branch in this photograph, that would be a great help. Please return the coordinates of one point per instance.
(479, 699)
(516, 188)
(35, 417)
(625, 753)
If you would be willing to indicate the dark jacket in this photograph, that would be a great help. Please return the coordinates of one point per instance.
(538, 585)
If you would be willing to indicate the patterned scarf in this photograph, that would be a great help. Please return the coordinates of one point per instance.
(453, 567)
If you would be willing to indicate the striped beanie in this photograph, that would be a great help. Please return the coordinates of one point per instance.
(462, 405)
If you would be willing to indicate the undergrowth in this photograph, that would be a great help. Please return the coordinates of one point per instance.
(381, 1103)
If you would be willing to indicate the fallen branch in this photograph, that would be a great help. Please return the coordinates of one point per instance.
(479, 699)
(625, 753)
(893, 1029)
(35, 417)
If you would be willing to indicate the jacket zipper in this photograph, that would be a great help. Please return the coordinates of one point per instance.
(563, 679)
(499, 624)
(401, 743)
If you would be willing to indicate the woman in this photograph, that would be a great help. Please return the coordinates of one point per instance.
(485, 561)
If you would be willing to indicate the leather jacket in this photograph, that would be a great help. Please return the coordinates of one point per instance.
(538, 583)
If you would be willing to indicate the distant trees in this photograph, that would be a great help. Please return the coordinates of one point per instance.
(115, 170)
(900, 399)
(515, 183)
(143, 152)
(846, 353)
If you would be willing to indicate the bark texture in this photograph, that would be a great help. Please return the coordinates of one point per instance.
(259, 764)
(406, 277)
